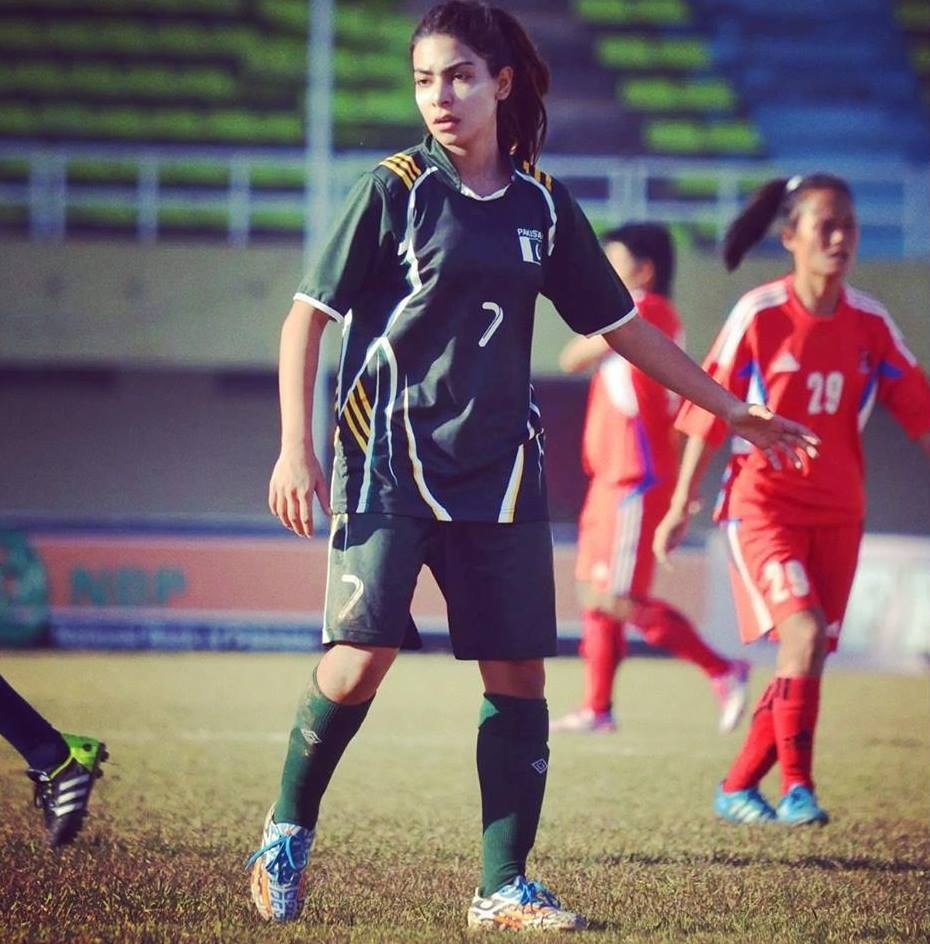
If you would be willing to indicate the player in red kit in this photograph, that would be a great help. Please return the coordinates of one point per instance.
(630, 452)
(820, 352)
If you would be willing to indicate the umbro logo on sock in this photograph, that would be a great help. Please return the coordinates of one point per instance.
(310, 736)
(540, 766)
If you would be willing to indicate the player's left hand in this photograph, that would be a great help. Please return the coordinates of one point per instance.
(778, 438)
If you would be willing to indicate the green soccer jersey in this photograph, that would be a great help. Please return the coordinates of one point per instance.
(436, 291)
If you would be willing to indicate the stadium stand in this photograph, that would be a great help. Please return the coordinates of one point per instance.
(176, 117)
(188, 74)
(824, 78)
(636, 78)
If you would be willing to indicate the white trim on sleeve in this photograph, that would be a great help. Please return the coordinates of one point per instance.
(316, 303)
(632, 313)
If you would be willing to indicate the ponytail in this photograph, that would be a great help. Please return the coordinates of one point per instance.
(500, 40)
(521, 117)
(775, 199)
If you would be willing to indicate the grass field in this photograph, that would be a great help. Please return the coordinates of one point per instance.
(627, 835)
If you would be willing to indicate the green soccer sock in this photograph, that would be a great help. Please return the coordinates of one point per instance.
(513, 757)
(322, 731)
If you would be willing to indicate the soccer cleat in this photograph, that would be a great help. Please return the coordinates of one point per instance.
(799, 807)
(730, 689)
(585, 720)
(62, 793)
(742, 806)
(522, 905)
(279, 880)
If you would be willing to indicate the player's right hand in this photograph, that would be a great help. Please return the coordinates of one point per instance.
(297, 476)
(672, 530)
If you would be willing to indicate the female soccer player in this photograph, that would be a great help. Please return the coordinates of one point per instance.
(630, 451)
(821, 352)
(63, 767)
(433, 272)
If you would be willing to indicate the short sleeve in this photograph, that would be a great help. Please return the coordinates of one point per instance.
(351, 252)
(578, 278)
(729, 363)
(903, 387)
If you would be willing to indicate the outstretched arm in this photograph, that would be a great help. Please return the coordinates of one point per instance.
(655, 354)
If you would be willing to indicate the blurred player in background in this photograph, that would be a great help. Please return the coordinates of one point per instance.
(433, 271)
(630, 453)
(62, 767)
(821, 352)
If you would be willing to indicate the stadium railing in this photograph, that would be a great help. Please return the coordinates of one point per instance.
(242, 194)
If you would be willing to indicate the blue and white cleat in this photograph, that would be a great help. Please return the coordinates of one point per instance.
(279, 880)
(522, 905)
(742, 806)
(799, 807)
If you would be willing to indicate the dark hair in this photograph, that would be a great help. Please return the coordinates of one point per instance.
(501, 41)
(775, 199)
(648, 241)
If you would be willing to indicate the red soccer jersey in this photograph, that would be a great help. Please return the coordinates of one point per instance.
(823, 371)
(629, 434)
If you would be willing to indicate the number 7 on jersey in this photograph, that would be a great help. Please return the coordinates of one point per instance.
(495, 322)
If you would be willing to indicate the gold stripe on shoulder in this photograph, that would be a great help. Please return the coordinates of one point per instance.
(408, 160)
(398, 169)
(538, 175)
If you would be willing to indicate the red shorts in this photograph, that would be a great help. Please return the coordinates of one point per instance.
(615, 532)
(777, 570)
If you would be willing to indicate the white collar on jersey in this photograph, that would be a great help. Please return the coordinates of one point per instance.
(466, 191)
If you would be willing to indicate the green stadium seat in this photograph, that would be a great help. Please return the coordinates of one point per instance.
(647, 52)
(663, 95)
(634, 12)
(691, 137)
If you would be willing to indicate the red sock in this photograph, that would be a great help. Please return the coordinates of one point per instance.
(662, 625)
(758, 753)
(794, 713)
(602, 647)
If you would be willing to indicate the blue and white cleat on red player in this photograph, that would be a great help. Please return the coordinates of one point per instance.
(742, 806)
(522, 905)
(279, 878)
(799, 807)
